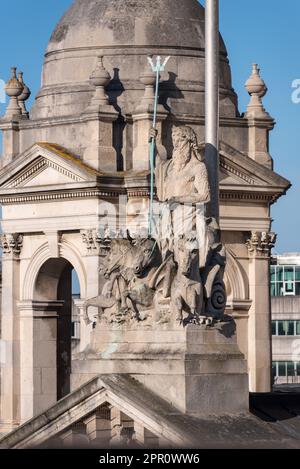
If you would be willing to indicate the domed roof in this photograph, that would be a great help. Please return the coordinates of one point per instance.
(130, 22)
(125, 32)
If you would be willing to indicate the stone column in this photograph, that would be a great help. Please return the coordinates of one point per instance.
(91, 259)
(144, 437)
(38, 356)
(259, 324)
(91, 256)
(84, 334)
(98, 426)
(10, 363)
(76, 437)
(122, 429)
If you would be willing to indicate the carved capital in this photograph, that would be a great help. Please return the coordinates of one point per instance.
(95, 242)
(11, 243)
(261, 243)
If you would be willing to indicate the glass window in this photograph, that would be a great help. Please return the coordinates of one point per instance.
(273, 289)
(290, 369)
(273, 274)
(290, 328)
(297, 273)
(281, 369)
(281, 330)
(273, 327)
(279, 273)
(289, 274)
(285, 327)
(279, 289)
(289, 288)
(298, 368)
(297, 288)
(297, 327)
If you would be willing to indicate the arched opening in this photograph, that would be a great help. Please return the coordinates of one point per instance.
(56, 287)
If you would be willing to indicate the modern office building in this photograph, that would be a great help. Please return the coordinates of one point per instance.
(285, 293)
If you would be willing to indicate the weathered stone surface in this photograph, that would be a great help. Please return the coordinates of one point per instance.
(125, 32)
(149, 412)
(55, 195)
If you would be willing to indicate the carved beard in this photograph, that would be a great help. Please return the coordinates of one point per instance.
(181, 155)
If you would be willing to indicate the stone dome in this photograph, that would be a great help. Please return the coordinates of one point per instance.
(125, 32)
(105, 23)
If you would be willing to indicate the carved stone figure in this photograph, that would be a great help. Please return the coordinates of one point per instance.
(214, 286)
(184, 178)
(178, 275)
(131, 269)
(187, 289)
(182, 190)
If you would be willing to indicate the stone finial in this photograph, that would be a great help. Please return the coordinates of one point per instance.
(148, 78)
(100, 79)
(26, 93)
(13, 89)
(257, 89)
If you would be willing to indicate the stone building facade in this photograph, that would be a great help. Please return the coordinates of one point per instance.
(84, 147)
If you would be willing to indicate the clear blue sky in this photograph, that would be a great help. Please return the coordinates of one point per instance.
(262, 31)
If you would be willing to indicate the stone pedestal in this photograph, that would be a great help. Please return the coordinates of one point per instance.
(100, 153)
(196, 369)
(11, 140)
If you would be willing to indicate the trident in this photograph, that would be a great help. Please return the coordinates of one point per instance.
(157, 68)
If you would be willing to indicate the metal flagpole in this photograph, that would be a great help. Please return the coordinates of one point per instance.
(212, 100)
(157, 68)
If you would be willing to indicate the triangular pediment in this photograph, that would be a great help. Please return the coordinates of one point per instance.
(237, 170)
(45, 164)
(121, 392)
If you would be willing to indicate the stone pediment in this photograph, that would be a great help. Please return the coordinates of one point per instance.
(119, 412)
(45, 164)
(241, 176)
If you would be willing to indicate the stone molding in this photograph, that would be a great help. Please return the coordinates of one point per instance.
(39, 309)
(230, 169)
(39, 166)
(68, 251)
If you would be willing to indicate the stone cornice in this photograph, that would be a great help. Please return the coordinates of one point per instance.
(246, 196)
(132, 192)
(57, 195)
(131, 49)
(67, 120)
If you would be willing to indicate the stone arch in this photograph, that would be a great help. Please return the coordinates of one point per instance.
(39, 258)
(235, 279)
(47, 299)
